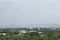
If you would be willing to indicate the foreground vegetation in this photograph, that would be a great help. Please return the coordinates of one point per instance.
(45, 35)
(28, 37)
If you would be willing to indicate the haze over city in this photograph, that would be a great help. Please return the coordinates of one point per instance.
(27, 12)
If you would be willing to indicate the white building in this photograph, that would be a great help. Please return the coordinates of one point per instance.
(32, 31)
(39, 32)
(22, 32)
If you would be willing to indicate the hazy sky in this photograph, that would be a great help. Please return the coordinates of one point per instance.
(21, 12)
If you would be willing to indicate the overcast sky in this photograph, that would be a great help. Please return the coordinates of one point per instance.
(21, 12)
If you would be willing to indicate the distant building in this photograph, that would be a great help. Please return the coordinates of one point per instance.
(30, 28)
(31, 31)
(22, 32)
(39, 32)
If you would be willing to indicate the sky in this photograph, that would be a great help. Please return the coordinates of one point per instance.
(21, 12)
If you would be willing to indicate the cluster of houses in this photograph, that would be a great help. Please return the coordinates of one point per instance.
(20, 32)
(23, 31)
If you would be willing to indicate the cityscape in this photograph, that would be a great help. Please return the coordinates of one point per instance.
(29, 19)
(30, 33)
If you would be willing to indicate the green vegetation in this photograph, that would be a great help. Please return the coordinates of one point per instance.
(31, 37)
(45, 35)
